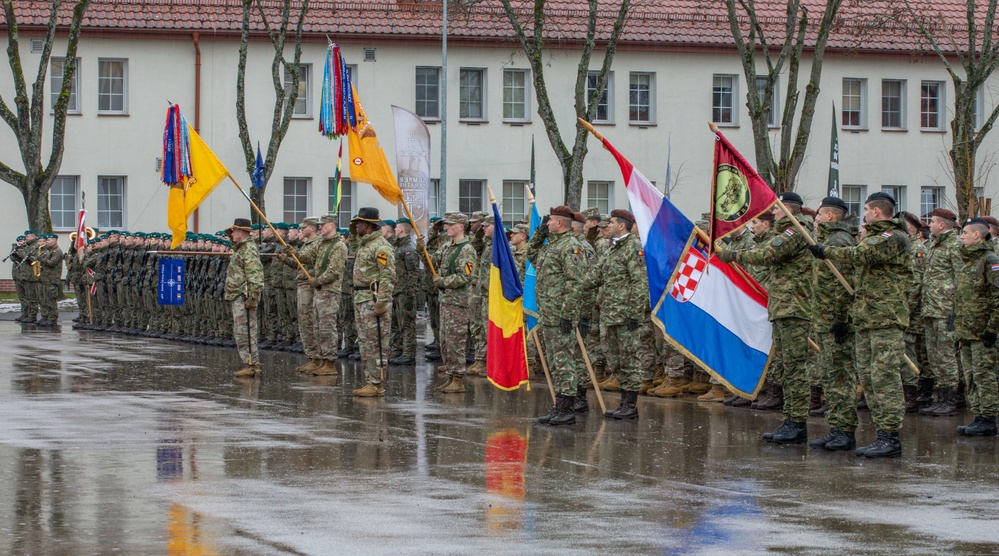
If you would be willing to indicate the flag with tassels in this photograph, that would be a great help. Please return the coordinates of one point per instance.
(190, 169)
(506, 352)
(336, 105)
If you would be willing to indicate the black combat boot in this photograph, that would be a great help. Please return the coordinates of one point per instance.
(982, 426)
(773, 400)
(815, 399)
(835, 441)
(564, 414)
(579, 404)
(946, 406)
(789, 432)
(925, 397)
(629, 408)
(962, 428)
(886, 445)
(911, 394)
(544, 419)
(621, 407)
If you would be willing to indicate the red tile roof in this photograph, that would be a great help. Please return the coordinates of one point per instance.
(863, 25)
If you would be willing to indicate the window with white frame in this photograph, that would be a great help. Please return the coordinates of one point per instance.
(470, 193)
(761, 86)
(428, 93)
(62, 202)
(723, 95)
(598, 194)
(893, 104)
(897, 192)
(515, 97)
(56, 81)
(605, 112)
(472, 94)
(296, 198)
(346, 201)
(853, 196)
(514, 201)
(434, 198)
(112, 86)
(854, 113)
(930, 198)
(931, 105)
(111, 202)
(641, 97)
(303, 103)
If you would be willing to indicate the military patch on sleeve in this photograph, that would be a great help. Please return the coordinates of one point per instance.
(875, 240)
(886, 234)
(777, 242)
(382, 258)
(468, 268)
(789, 232)
(576, 251)
(640, 253)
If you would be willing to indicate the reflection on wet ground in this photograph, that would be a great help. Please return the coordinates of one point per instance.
(113, 444)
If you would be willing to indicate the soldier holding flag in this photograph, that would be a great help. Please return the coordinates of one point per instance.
(244, 285)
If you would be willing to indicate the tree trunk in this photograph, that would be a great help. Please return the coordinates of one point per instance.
(36, 204)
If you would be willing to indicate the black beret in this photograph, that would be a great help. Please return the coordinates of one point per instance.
(835, 202)
(880, 196)
(791, 197)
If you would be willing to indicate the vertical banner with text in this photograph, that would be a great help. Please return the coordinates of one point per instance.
(412, 156)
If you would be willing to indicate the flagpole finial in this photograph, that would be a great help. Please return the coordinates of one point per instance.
(712, 127)
(492, 199)
(530, 195)
(589, 127)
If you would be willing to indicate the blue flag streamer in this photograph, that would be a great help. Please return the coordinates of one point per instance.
(170, 290)
(531, 279)
(258, 170)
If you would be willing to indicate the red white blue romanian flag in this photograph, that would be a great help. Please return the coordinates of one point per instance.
(506, 353)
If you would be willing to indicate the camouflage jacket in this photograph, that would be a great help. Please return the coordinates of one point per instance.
(245, 275)
(330, 262)
(919, 253)
(407, 267)
(943, 262)
(791, 265)
(882, 276)
(976, 302)
(484, 267)
(566, 284)
(520, 259)
(624, 284)
(51, 258)
(347, 286)
(830, 300)
(456, 264)
(374, 270)
(760, 273)
(743, 241)
(307, 256)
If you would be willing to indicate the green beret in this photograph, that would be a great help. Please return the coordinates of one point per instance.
(404, 220)
(20, 238)
(29, 232)
(389, 223)
(435, 219)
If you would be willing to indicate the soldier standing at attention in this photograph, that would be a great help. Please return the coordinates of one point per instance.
(480, 319)
(943, 263)
(456, 260)
(19, 263)
(331, 258)
(305, 297)
(374, 282)
(407, 284)
(915, 343)
(880, 315)
(244, 284)
(50, 282)
(790, 312)
(977, 310)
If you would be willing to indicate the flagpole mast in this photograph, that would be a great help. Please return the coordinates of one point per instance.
(269, 225)
(442, 187)
(416, 231)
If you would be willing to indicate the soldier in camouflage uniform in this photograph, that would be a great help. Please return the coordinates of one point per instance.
(977, 324)
(50, 281)
(597, 339)
(20, 268)
(790, 314)
(880, 315)
(831, 326)
(480, 319)
(330, 260)
(915, 344)
(306, 255)
(456, 262)
(407, 284)
(374, 283)
(477, 332)
(565, 289)
(435, 238)
(244, 286)
(347, 326)
(943, 264)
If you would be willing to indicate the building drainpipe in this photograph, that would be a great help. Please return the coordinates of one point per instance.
(197, 99)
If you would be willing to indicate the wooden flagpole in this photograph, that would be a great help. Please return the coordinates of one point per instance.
(271, 226)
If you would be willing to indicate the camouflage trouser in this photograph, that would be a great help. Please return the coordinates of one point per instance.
(791, 343)
(941, 354)
(915, 348)
(648, 354)
(22, 295)
(245, 331)
(307, 320)
(624, 355)
(454, 336)
(404, 324)
(327, 305)
(532, 348)
(979, 363)
(565, 360)
(483, 318)
(434, 310)
(48, 299)
(476, 332)
(839, 380)
(374, 350)
(594, 347)
(812, 363)
(268, 313)
(348, 327)
(677, 365)
(879, 354)
(31, 297)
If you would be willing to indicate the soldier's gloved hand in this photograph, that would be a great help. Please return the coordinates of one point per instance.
(989, 338)
(950, 322)
(437, 282)
(591, 234)
(818, 250)
(584, 327)
(250, 304)
(542, 229)
(381, 308)
(727, 255)
(314, 283)
(565, 325)
(632, 324)
(841, 332)
(282, 257)
(421, 245)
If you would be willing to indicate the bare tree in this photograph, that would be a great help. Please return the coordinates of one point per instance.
(975, 48)
(586, 107)
(285, 97)
(751, 34)
(28, 117)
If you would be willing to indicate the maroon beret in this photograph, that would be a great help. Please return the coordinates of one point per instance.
(563, 211)
(992, 221)
(768, 216)
(912, 219)
(944, 213)
(622, 214)
(579, 217)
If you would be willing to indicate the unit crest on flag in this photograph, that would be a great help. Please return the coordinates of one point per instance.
(688, 275)
(733, 198)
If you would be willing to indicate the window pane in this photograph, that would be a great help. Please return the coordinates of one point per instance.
(891, 104)
(296, 199)
(603, 106)
(111, 86)
(110, 201)
(722, 99)
(428, 92)
(929, 105)
(470, 195)
(514, 202)
(470, 94)
(598, 195)
(514, 94)
(303, 104)
(852, 102)
(640, 97)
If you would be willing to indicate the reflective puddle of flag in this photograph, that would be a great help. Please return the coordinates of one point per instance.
(506, 352)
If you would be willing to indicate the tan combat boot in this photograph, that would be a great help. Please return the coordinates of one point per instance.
(645, 387)
(699, 387)
(248, 371)
(444, 384)
(312, 365)
(611, 384)
(441, 369)
(326, 368)
(673, 386)
(457, 386)
(477, 368)
(370, 391)
(716, 394)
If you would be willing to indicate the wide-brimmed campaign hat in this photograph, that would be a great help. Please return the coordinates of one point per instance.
(239, 224)
(369, 215)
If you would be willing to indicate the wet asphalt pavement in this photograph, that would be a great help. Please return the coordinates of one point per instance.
(112, 444)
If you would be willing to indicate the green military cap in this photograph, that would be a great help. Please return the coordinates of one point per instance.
(30, 232)
(342, 231)
(310, 221)
(487, 220)
(435, 219)
(293, 226)
(327, 218)
(455, 218)
(20, 238)
(388, 222)
(477, 216)
(404, 220)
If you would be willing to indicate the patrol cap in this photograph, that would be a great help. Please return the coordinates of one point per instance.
(592, 213)
(941, 212)
(455, 218)
(477, 216)
(880, 196)
(790, 197)
(488, 220)
(369, 215)
(563, 211)
(310, 221)
(521, 229)
(622, 214)
(835, 202)
(327, 218)
(604, 222)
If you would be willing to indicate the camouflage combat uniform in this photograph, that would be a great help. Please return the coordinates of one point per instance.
(374, 282)
(331, 258)
(245, 280)
(407, 284)
(624, 302)
(943, 263)
(977, 309)
(455, 262)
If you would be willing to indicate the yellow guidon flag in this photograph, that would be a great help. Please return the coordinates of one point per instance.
(206, 173)
(367, 159)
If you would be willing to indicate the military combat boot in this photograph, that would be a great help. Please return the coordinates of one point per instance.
(946, 406)
(477, 368)
(672, 386)
(835, 441)
(544, 419)
(629, 406)
(248, 371)
(441, 369)
(312, 365)
(579, 404)
(925, 397)
(773, 400)
(886, 445)
(621, 407)
(790, 432)
(962, 428)
(699, 387)
(457, 386)
(815, 399)
(982, 426)
(716, 394)
(370, 390)
(611, 384)
(647, 385)
(911, 393)
(325, 368)
(564, 414)
(444, 384)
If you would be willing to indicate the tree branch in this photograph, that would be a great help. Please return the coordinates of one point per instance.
(62, 103)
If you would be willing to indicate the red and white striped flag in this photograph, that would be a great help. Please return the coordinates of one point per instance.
(81, 230)
(93, 284)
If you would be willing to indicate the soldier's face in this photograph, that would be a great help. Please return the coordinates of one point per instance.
(239, 235)
(972, 234)
(388, 232)
(488, 230)
(939, 225)
(759, 227)
(589, 224)
(517, 239)
(606, 232)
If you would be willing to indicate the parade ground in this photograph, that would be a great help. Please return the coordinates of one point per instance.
(113, 444)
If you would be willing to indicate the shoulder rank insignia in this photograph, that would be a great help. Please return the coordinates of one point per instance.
(468, 268)
(382, 258)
